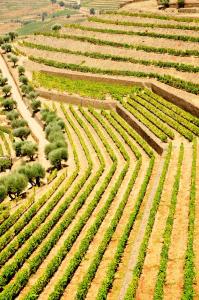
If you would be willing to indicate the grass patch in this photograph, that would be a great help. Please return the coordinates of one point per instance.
(85, 88)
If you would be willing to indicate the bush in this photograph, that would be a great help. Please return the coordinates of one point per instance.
(56, 27)
(36, 105)
(57, 156)
(17, 147)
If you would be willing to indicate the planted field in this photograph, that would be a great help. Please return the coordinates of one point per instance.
(109, 206)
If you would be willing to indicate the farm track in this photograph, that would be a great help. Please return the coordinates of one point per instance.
(151, 265)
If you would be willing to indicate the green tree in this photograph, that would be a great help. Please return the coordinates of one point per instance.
(5, 163)
(12, 115)
(9, 104)
(57, 156)
(3, 81)
(17, 147)
(3, 192)
(19, 123)
(12, 35)
(7, 90)
(6, 48)
(21, 132)
(23, 79)
(29, 149)
(21, 70)
(36, 105)
(52, 146)
(38, 172)
(15, 184)
(14, 59)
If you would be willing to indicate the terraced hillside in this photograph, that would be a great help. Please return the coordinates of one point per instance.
(102, 4)
(166, 50)
(120, 220)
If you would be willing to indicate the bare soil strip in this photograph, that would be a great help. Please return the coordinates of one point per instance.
(151, 265)
(173, 288)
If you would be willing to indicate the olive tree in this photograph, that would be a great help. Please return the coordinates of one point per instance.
(57, 156)
(9, 104)
(21, 132)
(6, 90)
(14, 59)
(15, 184)
(29, 149)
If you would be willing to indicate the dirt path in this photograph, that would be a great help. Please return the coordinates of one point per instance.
(176, 256)
(32, 123)
(153, 184)
(147, 280)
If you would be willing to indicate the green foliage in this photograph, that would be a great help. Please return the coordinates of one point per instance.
(15, 184)
(5, 163)
(187, 38)
(9, 104)
(29, 149)
(56, 27)
(6, 90)
(18, 123)
(57, 156)
(12, 115)
(167, 79)
(101, 42)
(3, 81)
(21, 70)
(6, 47)
(21, 132)
(23, 79)
(162, 64)
(14, 59)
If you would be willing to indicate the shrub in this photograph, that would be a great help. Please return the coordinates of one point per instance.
(56, 27)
